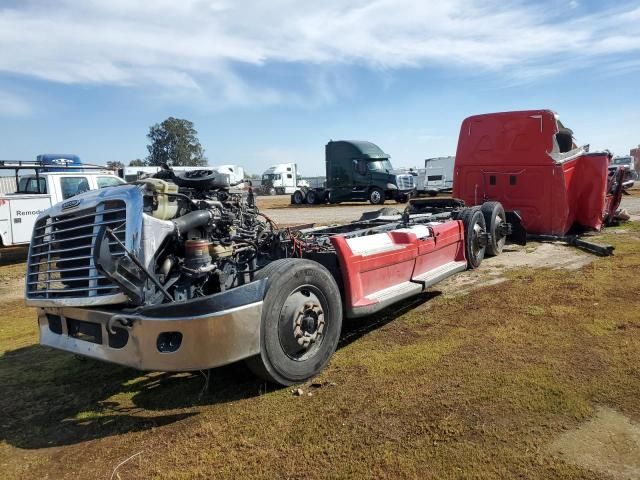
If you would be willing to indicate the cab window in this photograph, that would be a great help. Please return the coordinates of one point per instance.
(71, 186)
(360, 166)
(109, 181)
(30, 185)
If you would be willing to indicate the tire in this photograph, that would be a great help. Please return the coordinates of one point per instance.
(295, 346)
(312, 197)
(494, 215)
(376, 196)
(432, 193)
(404, 198)
(297, 198)
(474, 226)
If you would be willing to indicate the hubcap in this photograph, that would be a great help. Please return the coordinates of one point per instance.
(375, 196)
(498, 232)
(477, 244)
(302, 323)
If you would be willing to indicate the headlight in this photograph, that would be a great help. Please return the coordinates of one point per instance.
(391, 186)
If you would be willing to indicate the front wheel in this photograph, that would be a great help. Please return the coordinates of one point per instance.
(376, 196)
(404, 198)
(301, 321)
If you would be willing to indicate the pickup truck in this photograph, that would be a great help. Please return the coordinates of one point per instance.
(39, 192)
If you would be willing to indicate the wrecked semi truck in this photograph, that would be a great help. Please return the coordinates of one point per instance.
(180, 274)
(357, 171)
(530, 163)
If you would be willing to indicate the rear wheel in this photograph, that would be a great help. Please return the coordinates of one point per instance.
(474, 236)
(495, 219)
(312, 197)
(376, 196)
(301, 321)
(297, 198)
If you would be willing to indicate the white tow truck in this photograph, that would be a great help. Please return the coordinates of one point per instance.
(41, 190)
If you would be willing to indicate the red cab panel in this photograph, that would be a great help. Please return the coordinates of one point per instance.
(528, 161)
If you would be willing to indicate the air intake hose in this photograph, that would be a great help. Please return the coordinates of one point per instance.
(192, 220)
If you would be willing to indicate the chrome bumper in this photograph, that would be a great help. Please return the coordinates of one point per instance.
(215, 330)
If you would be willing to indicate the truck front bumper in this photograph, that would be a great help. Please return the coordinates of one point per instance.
(197, 334)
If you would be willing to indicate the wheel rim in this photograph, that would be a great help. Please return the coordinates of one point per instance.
(476, 245)
(375, 196)
(302, 323)
(499, 238)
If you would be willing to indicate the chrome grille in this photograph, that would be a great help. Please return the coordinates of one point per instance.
(61, 261)
(405, 182)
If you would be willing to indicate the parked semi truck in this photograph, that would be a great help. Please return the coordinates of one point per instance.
(357, 171)
(281, 179)
(180, 274)
(55, 178)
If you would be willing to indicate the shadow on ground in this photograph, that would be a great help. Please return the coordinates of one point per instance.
(13, 255)
(52, 398)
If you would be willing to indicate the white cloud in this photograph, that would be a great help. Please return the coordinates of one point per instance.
(201, 45)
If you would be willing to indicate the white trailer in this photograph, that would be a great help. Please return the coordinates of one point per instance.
(436, 176)
(38, 192)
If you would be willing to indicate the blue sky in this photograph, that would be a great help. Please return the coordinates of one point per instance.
(268, 82)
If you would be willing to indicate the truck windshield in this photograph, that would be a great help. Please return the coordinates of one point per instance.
(379, 166)
(622, 161)
(73, 186)
(270, 177)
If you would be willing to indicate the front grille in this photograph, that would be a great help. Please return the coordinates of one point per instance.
(61, 254)
(405, 182)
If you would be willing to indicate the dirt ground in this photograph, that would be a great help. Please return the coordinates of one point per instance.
(524, 368)
(279, 208)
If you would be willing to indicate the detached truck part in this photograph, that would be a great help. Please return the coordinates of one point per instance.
(180, 274)
(529, 162)
(357, 171)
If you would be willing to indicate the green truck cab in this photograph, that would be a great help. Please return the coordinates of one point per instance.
(357, 171)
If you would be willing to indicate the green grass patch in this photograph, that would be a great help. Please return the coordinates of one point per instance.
(473, 386)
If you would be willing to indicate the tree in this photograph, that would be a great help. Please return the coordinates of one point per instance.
(137, 163)
(175, 142)
(114, 165)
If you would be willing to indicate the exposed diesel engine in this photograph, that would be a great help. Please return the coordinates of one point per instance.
(168, 238)
(219, 239)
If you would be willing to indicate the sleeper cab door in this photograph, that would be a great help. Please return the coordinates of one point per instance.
(361, 178)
